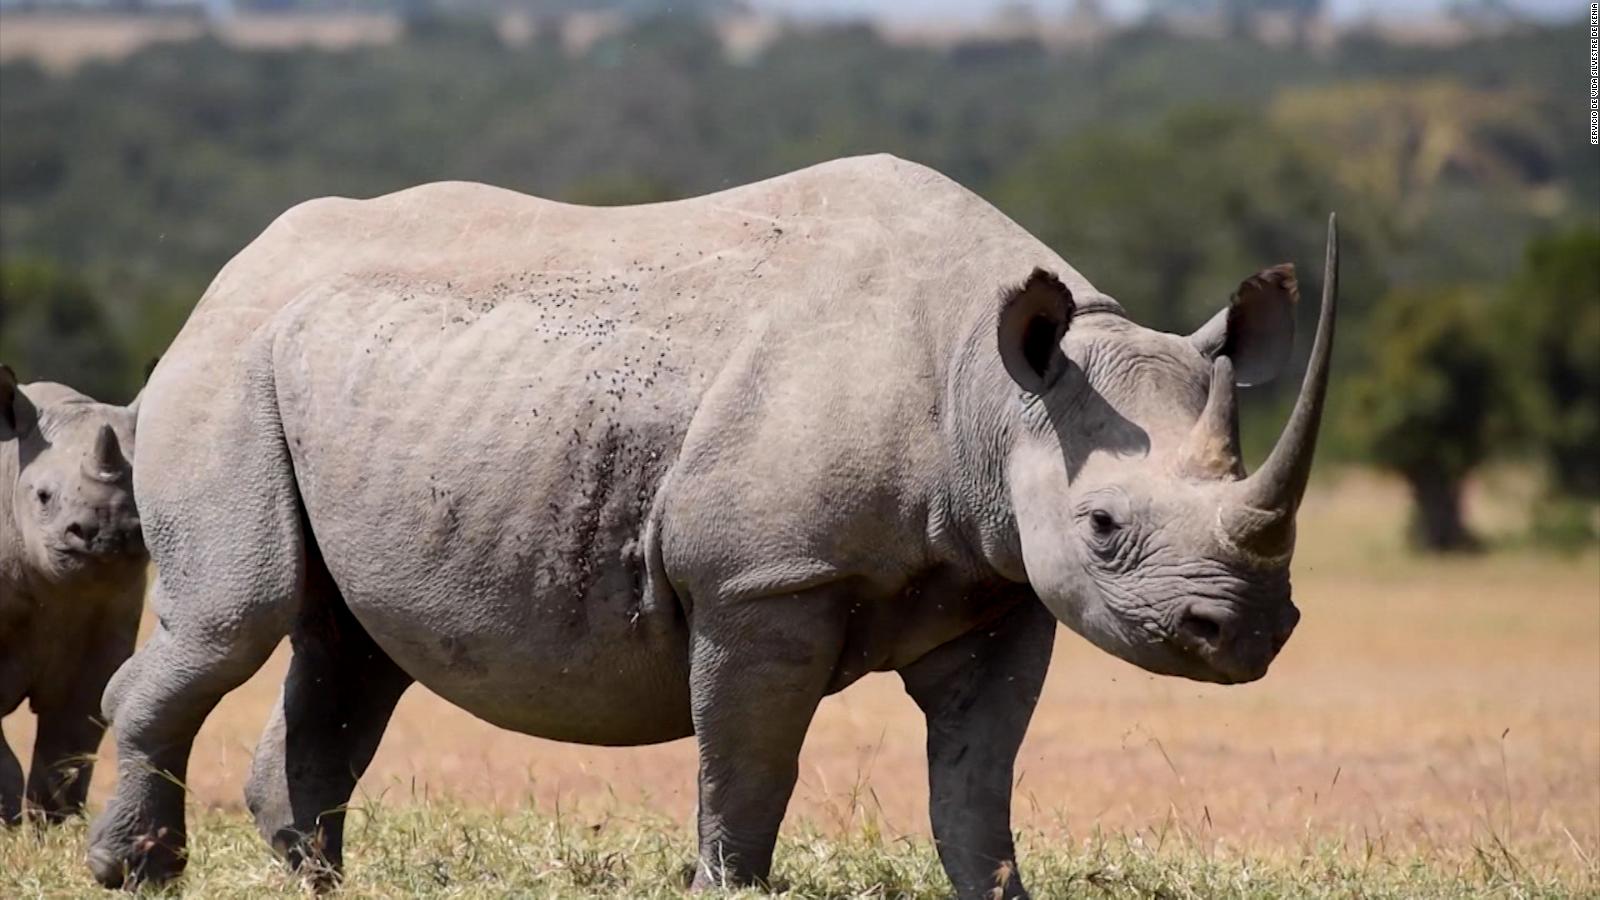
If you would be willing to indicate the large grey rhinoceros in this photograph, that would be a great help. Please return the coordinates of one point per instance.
(72, 574)
(626, 475)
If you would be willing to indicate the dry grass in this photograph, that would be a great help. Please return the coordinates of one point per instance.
(445, 850)
(1438, 718)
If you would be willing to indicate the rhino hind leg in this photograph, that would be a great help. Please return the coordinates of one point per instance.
(757, 674)
(225, 532)
(157, 702)
(978, 693)
(336, 701)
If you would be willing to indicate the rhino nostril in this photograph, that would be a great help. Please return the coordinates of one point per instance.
(1202, 627)
(83, 532)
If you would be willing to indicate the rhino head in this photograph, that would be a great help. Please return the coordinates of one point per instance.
(1137, 524)
(71, 498)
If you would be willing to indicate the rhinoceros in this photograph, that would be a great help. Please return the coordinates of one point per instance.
(626, 475)
(72, 575)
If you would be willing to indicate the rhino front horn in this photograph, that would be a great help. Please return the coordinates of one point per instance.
(1263, 520)
(106, 463)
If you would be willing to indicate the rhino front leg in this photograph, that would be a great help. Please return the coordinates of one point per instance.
(336, 701)
(10, 784)
(758, 669)
(70, 724)
(63, 761)
(978, 693)
(13, 689)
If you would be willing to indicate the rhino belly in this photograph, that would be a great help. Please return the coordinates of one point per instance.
(480, 496)
(554, 674)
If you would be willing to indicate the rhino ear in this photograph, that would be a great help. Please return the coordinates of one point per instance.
(133, 408)
(1033, 318)
(17, 415)
(1256, 330)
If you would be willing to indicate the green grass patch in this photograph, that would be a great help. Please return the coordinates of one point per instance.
(443, 850)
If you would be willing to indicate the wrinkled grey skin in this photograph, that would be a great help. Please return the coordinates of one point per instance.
(72, 572)
(627, 475)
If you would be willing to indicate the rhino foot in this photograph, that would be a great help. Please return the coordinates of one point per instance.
(153, 857)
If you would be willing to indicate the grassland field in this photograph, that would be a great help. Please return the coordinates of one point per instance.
(1432, 730)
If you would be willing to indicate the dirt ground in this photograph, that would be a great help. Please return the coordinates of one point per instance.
(1420, 704)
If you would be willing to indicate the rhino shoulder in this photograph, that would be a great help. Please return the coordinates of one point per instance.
(886, 179)
(882, 168)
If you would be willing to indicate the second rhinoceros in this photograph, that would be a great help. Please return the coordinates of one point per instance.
(72, 575)
(627, 475)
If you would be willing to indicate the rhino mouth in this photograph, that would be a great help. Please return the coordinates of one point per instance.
(76, 554)
(1233, 648)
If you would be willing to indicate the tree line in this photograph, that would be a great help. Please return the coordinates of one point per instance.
(1163, 167)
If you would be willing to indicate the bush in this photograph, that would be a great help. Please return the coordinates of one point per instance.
(51, 329)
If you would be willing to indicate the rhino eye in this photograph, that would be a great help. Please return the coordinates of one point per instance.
(1102, 523)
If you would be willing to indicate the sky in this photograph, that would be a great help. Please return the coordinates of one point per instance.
(977, 10)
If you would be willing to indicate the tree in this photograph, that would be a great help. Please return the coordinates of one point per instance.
(1552, 324)
(1409, 144)
(1424, 403)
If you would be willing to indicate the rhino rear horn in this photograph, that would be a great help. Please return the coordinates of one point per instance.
(1212, 448)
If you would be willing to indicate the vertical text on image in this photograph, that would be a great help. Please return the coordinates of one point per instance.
(1594, 73)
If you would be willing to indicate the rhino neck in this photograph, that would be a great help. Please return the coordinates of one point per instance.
(979, 428)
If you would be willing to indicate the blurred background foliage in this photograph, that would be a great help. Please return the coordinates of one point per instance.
(1166, 165)
(1438, 345)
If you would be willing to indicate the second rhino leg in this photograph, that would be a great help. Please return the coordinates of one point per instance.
(70, 721)
(758, 669)
(63, 760)
(10, 784)
(13, 689)
(338, 695)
